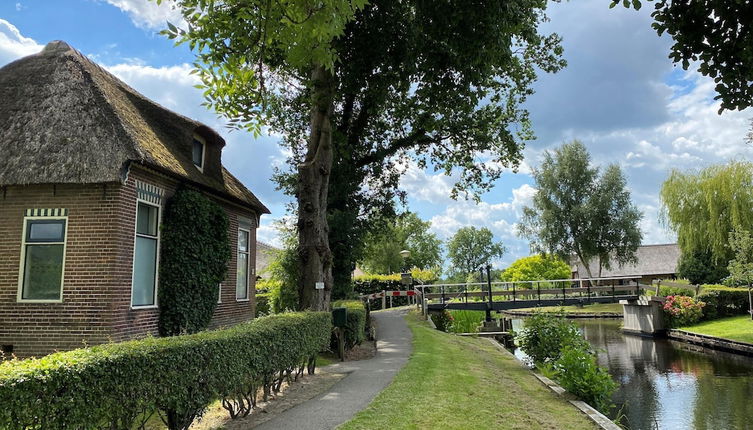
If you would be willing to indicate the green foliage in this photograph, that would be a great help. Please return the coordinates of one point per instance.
(263, 304)
(283, 272)
(194, 257)
(723, 301)
(442, 319)
(578, 211)
(714, 35)
(676, 291)
(577, 372)
(113, 386)
(537, 267)
(406, 231)
(466, 321)
(357, 322)
(698, 267)
(471, 249)
(683, 310)
(704, 206)
(545, 334)
(371, 283)
(741, 266)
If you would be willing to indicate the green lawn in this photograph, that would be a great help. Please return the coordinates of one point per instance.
(595, 308)
(738, 328)
(454, 382)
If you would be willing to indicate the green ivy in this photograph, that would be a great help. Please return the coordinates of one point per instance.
(194, 256)
(116, 386)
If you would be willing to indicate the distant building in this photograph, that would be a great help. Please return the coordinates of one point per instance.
(654, 262)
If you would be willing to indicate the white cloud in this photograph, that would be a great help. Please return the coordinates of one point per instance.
(14, 45)
(148, 15)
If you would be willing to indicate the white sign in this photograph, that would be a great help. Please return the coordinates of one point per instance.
(320, 285)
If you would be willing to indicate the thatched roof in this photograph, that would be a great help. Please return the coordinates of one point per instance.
(652, 260)
(265, 253)
(64, 119)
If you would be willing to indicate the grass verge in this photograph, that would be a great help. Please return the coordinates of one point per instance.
(453, 382)
(738, 328)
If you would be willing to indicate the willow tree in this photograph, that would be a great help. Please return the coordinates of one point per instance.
(578, 211)
(704, 206)
(359, 91)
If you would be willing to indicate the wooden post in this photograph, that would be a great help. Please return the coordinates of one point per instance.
(341, 343)
(390, 300)
(384, 300)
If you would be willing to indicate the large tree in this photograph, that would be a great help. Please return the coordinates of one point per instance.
(471, 249)
(436, 82)
(579, 211)
(716, 36)
(704, 206)
(404, 232)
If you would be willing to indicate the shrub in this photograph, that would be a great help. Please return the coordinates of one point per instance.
(576, 371)
(545, 334)
(677, 291)
(443, 320)
(683, 310)
(116, 385)
(194, 256)
(700, 268)
(723, 301)
(356, 325)
(263, 305)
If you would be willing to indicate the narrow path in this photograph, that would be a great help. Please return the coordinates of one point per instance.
(366, 378)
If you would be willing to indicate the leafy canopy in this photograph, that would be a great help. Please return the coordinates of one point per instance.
(539, 267)
(578, 211)
(471, 249)
(741, 266)
(405, 232)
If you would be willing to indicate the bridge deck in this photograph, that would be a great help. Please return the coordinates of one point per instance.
(521, 304)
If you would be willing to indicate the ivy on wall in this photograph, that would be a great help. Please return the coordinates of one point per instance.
(194, 256)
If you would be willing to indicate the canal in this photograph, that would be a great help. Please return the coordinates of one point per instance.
(665, 384)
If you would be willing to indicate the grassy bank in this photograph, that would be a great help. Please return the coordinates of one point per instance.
(596, 308)
(738, 328)
(460, 382)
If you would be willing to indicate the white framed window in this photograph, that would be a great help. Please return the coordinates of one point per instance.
(244, 263)
(145, 255)
(198, 152)
(42, 262)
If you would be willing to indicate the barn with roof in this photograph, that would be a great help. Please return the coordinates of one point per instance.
(87, 166)
(652, 262)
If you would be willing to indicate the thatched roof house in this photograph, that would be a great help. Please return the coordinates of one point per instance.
(654, 262)
(87, 165)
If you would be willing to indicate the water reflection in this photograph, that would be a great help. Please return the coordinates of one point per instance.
(672, 385)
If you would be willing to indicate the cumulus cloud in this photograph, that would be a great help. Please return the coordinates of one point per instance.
(148, 15)
(13, 44)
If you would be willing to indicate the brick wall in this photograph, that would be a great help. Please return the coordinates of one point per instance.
(98, 268)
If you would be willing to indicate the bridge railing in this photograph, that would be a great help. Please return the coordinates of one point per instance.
(584, 288)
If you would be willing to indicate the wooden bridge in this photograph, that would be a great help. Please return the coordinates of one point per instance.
(530, 294)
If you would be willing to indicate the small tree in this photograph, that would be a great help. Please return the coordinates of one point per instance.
(741, 266)
(471, 248)
(578, 212)
(539, 267)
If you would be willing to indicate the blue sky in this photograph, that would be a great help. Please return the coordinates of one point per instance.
(619, 94)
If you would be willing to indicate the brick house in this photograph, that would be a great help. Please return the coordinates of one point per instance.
(86, 166)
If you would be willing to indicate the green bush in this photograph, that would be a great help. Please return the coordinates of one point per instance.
(723, 301)
(356, 325)
(115, 386)
(677, 291)
(194, 256)
(545, 334)
(442, 319)
(683, 310)
(263, 305)
(576, 371)
(700, 268)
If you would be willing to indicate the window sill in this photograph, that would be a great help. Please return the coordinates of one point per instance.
(38, 301)
(143, 307)
(242, 300)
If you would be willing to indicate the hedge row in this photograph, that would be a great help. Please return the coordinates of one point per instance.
(723, 301)
(118, 386)
(356, 325)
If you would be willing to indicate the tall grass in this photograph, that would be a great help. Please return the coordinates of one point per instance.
(466, 321)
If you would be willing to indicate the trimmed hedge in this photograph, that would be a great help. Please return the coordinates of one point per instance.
(119, 385)
(356, 325)
(723, 301)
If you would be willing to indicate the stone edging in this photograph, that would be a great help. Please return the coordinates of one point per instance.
(431, 322)
(712, 342)
(604, 315)
(597, 417)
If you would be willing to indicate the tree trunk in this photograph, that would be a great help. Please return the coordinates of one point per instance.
(314, 254)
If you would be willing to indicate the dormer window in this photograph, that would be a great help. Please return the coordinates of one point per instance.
(198, 152)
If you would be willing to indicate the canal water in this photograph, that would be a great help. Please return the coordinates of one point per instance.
(665, 384)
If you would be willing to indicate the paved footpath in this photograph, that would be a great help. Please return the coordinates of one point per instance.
(366, 378)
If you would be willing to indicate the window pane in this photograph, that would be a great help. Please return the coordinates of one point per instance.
(198, 153)
(144, 271)
(242, 241)
(146, 219)
(46, 231)
(42, 272)
(241, 288)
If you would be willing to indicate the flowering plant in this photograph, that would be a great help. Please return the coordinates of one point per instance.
(683, 310)
(443, 320)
